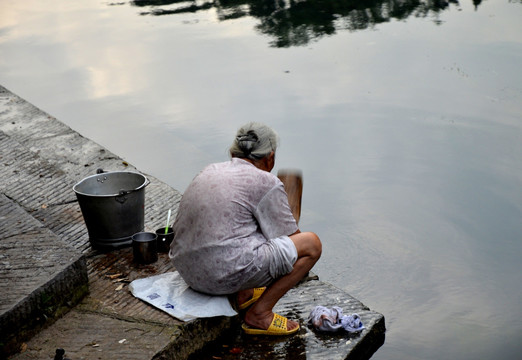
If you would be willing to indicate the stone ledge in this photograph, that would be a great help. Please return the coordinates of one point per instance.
(41, 277)
(308, 343)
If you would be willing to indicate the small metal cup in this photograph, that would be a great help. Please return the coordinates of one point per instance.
(164, 240)
(145, 247)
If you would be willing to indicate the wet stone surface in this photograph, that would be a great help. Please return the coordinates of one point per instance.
(308, 343)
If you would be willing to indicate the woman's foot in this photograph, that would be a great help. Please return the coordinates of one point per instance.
(263, 320)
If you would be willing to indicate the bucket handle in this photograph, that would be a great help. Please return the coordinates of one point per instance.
(121, 194)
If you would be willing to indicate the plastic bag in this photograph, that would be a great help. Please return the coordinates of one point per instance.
(170, 293)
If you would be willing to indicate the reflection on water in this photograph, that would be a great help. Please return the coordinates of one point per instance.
(296, 23)
(181, 7)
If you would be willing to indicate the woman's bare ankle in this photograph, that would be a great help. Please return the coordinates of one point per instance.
(259, 320)
(244, 295)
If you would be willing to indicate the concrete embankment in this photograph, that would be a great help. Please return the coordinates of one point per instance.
(60, 293)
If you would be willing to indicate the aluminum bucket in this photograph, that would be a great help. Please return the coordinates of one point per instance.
(113, 207)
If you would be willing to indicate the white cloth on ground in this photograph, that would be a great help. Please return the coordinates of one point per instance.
(325, 319)
(169, 292)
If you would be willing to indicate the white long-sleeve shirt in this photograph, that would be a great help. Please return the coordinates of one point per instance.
(226, 215)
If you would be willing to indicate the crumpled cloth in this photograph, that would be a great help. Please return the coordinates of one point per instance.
(325, 319)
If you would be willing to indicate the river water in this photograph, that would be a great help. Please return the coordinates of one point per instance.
(404, 116)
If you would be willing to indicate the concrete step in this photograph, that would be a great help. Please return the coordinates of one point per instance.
(308, 343)
(111, 324)
(41, 276)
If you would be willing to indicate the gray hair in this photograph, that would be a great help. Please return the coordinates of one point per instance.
(254, 141)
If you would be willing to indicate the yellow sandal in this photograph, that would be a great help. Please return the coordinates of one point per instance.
(255, 297)
(277, 327)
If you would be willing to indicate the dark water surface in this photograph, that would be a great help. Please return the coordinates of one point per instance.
(404, 116)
